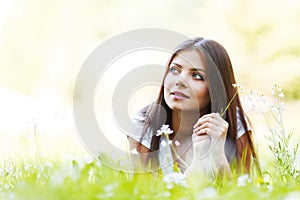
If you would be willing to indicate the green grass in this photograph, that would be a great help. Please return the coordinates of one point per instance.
(92, 180)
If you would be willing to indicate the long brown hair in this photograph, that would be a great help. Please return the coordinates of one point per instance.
(220, 77)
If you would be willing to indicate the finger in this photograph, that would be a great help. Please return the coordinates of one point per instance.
(211, 121)
(208, 118)
(215, 131)
(201, 138)
(201, 132)
(209, 132)
(203, 119)
(206, 125)
(218, 116)
(217, 120)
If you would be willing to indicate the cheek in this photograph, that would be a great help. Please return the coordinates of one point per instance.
(168, 79)
(168, 82)
(203, 95)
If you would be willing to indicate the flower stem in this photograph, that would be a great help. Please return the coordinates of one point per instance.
(224, 111)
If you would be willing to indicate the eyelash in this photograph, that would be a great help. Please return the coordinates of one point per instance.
(197, 74)
(174, 70)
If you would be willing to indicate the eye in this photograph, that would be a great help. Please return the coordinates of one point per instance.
(197, 76)
(174, 70)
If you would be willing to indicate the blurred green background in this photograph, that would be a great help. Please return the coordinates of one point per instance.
(44, 43)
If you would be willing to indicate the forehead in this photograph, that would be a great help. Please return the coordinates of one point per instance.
(191, 58)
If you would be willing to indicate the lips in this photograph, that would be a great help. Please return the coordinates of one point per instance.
(179, 95)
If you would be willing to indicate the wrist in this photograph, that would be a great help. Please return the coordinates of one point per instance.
(212, 165)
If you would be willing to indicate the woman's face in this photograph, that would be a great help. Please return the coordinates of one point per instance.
(185, 86)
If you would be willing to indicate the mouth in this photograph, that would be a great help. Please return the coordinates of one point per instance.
(179, 95)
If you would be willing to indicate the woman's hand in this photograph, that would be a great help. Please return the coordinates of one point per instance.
(209, 136)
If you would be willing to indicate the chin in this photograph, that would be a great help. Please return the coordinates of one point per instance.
(175, 108)
(183, 109)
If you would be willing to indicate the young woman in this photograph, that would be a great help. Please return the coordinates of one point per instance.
(199, 103)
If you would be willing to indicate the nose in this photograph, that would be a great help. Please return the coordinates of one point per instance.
(181, 81)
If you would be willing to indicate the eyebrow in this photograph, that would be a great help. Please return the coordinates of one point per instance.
(192, 69)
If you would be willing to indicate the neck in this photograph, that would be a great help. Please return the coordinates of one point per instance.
(183, 122)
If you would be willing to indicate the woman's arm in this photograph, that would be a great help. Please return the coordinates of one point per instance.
(208, 143)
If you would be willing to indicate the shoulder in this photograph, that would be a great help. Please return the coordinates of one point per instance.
(136, 128)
